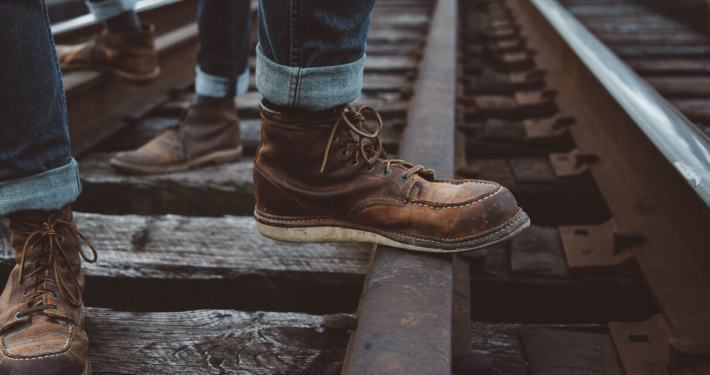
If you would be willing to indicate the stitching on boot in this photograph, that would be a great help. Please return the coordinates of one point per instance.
(14, 357)
(470, 238)
(500, 188)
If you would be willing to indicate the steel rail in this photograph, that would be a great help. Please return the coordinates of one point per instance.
(405, 313)
(639, 140)
(685, 147)
(89, 20)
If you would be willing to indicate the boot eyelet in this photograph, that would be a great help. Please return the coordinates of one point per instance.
(56, 307)
(60, 238)
(355, 162)
(346, 153)
(386, 172)
(403, 179)
(370, 168)
(17, 315)
(33, 248)
(336, 139)
(25, 293)
(54, 295)
(27, 277)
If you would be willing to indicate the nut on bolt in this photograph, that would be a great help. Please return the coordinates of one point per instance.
(339, 322)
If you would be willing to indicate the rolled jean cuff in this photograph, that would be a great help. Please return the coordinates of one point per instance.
(219, 87)
(312, 89)
(109, 8)
(46, 191)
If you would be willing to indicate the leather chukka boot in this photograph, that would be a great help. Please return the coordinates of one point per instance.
(206, 135)
(41, 308)
(131, 56)
(323, 177)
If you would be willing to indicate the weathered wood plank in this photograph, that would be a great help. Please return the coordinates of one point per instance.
(212, 342)
(158, 263)
(503, 346)
(227, 341)
(525, 280)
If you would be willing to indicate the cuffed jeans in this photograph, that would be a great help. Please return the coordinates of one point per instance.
(311, 53)
(37, 171)
(223, 45)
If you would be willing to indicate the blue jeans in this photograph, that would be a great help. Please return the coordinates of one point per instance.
(37, 171)
(223, 45)
(311, 53)
(311, 56)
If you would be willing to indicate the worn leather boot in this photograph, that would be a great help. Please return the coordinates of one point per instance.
(206, 135)
(323, 177)
(41, 308)
(131, 56)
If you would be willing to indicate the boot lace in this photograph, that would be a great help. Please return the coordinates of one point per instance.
(367, 144)
(46, 254)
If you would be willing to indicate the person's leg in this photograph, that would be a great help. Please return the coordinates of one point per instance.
(223, 50)
(316, 180)
(118, 16)
(126, 47)
(37, 171)
(39, 313)
(209, 132)
(311, 53)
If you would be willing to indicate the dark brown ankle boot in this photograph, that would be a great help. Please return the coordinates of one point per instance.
(207, 135)
(316, 182)
(41, 309)
(131, 56)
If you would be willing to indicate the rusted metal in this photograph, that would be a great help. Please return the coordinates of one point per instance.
(644, 346)
(405, 314)
(651, 161)
(521, 105)
(573, 163)
(339, 322)
(600, 249)
(166, 15)
(547, 128)
(498, 83)
(687, 353)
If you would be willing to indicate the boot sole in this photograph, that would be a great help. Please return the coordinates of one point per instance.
(119, 73)
(87, 370)
(284, 231)
(217, 157)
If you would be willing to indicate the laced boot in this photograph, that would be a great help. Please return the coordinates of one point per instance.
(41, 308)
(323, 177)
(131, 56)
(206, 135)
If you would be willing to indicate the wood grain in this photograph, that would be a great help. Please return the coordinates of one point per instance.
(159, 263)
(212, 342)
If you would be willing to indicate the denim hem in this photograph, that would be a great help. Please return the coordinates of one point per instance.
(218, 87)
(312, 89)
(109, 8)
(46, 191)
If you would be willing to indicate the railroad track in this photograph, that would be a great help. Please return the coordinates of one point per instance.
(611, 278)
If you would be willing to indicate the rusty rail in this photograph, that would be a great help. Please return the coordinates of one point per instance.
(405, 313)
(652, 167)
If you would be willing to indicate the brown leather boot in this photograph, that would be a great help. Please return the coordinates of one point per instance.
(207, 135)
(131, 56)
(316, 182)
(41, 308)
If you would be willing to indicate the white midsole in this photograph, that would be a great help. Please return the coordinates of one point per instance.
(339, 234)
